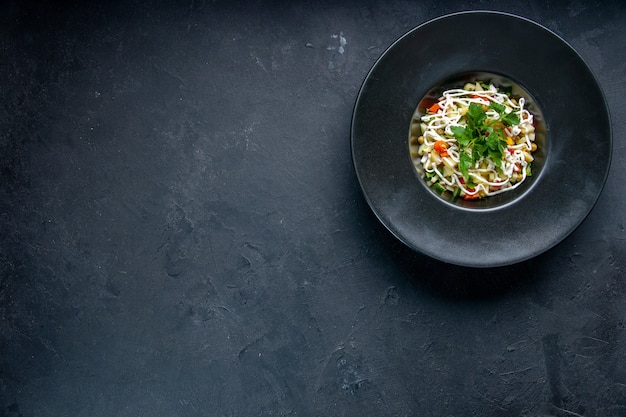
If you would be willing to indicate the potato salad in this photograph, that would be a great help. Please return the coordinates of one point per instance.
(474, 142)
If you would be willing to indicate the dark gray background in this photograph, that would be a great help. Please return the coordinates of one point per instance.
(182, 232)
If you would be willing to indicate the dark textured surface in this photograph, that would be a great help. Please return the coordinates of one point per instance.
(182, 232)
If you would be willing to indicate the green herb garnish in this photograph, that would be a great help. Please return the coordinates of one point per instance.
(482, 135)
(465, 162)
(508, 119)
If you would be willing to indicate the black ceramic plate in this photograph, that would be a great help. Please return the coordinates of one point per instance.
(574, 157)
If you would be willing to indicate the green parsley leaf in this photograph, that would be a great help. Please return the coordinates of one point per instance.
(497, 107)
(465, 161)
(475, 116)
(496, 156)
(510, 119)
(493, 142)
(478, 150)
(462, 135)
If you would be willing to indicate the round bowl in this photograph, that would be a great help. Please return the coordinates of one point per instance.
(575, 152)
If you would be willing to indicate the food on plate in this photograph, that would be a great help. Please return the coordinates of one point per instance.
(474, 142)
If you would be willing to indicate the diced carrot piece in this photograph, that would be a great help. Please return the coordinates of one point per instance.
(434, 108)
